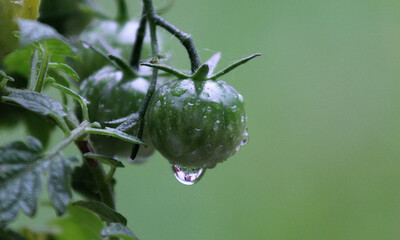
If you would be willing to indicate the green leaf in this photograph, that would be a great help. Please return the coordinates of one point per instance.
(118, 230)
(103, 211)
(112, 132)
(82, 101)
(78, 224)
(31, 31)
(62, 67)
(10, 235)
(21, 165)
(104, 159)
(84, 183)
(38, 103)
(60, 169)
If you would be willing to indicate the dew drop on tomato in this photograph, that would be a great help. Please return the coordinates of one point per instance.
(187, 176)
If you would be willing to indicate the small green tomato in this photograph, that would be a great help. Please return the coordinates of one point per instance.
(197, 124)
(113, 94)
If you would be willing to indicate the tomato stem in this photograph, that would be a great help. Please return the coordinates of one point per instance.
(185, 39)
(137, 47)
(148, 9)
(122, 11)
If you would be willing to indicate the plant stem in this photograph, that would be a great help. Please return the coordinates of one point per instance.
(75, 134)
(122, 11)
(137, 47)
(185, 39)
(149, 10)
(43, 70)
(98, 174)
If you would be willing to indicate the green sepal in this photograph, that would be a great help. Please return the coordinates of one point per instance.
(168, 69)
(201, 73)
(112, 132)
(233, 66)
(213, 62)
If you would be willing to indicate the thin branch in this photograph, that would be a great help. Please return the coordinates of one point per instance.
(185, 39)
(137, 47)
(148, 9)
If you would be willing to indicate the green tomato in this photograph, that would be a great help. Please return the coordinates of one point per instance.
(65, 16)
(113, 37)
(9, 11)
(196, 124)
(113, 95)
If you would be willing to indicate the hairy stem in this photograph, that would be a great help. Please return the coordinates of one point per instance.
(43, 70)
(137, 47)
(75, 134)
(185, 39)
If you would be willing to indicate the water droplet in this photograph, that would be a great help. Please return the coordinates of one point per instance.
(245, 137)
(178, 92)
(85, 44)
(205, 117)
(218, 121)
(190, 104)
(187, 176)
(197, 129)
(240, 97)
(158, 104)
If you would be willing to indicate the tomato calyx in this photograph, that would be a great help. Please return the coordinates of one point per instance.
(205, 71)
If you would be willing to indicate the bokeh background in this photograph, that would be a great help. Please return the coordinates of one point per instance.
(323, 104)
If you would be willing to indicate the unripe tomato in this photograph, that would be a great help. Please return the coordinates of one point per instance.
(9, 11)
(113, 95)
(197, 124)
(116, 37)
(65, 15)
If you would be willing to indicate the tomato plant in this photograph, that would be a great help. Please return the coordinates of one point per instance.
(194, 120)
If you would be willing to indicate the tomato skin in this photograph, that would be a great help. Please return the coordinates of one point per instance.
(197, 124)
(9, 11)
(113, 96)
(65, 15)
(111, 36)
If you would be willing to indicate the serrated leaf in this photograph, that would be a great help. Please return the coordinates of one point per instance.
(78, 224)
(38, 103)
(118, 230)
(21, 165)
(62, 67)
(8, 234)
(60, 169)
(104, 159)
(112, 132)
(103, 211)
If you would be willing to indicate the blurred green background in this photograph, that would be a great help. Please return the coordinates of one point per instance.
(323, 103)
